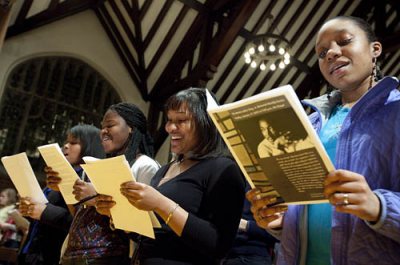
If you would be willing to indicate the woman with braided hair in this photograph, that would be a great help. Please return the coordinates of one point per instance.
(91, 239)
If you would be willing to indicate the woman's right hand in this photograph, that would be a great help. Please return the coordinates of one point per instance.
(53, 180)
(266, 217)
(103, 204)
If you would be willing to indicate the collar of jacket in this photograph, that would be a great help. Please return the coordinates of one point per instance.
(378, 94)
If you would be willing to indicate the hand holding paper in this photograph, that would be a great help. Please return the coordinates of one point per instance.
(20, 171)
(55, 159)
(275, 145)
(107, 175)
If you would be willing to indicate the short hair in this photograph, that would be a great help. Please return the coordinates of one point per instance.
(140, 140)
(210, 143)
(89, 138)
(362, 24)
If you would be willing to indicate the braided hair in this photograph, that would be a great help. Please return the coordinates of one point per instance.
(139, 141)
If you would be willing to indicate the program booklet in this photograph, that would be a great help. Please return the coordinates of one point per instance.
(274, 144)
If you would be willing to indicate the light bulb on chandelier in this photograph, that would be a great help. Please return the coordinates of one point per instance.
(268, 50)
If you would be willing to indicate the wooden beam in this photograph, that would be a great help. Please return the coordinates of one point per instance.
(104, 22)
(224, 41)
(163, 45)
(314, 80)
(174, 67)
(62, 10)
(5, 15)
(246, 35)
(134, 16)
(207, 66)
(23, 12)
(193, 4)
(145, 7)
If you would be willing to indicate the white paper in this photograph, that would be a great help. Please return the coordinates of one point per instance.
(54, 158)
(107, 175)
(211, 103)
(20, 171)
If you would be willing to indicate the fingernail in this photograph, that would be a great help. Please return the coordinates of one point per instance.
(284, 208)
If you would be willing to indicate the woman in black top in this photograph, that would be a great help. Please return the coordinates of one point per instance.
(198, 197)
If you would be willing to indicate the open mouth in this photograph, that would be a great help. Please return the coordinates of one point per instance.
(175, 140)
(337, 66)
(106, 138)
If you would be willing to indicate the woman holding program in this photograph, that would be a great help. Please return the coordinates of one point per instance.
(359, 125)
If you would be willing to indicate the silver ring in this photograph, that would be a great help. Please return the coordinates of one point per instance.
(346, 199)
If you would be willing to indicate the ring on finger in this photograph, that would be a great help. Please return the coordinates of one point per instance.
(345, 199)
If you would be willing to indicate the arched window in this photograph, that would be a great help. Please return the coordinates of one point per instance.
(44, 97)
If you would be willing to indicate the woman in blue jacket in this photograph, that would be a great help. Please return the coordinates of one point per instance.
(359, 125)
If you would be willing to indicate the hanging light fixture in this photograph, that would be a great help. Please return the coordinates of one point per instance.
(267, 49)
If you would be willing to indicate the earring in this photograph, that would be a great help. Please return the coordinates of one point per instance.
(373, 73)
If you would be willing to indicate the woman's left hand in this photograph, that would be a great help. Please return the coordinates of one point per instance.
(142, 196)
(350, 193)
(83, 190)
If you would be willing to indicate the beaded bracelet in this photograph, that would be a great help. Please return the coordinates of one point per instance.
(171, 213)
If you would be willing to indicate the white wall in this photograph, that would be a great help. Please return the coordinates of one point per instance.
(80, 36)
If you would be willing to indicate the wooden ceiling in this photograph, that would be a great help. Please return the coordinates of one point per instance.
(169, 45)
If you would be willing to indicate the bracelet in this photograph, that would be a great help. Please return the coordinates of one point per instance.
(171, 213)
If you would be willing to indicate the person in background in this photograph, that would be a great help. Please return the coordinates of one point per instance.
(91, 239)
(359, 125)
(10, 235)
(8, 198)
(198, 197)
(52, 220)
(253, 245)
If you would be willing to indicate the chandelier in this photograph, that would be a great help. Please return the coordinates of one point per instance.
(267, 50)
